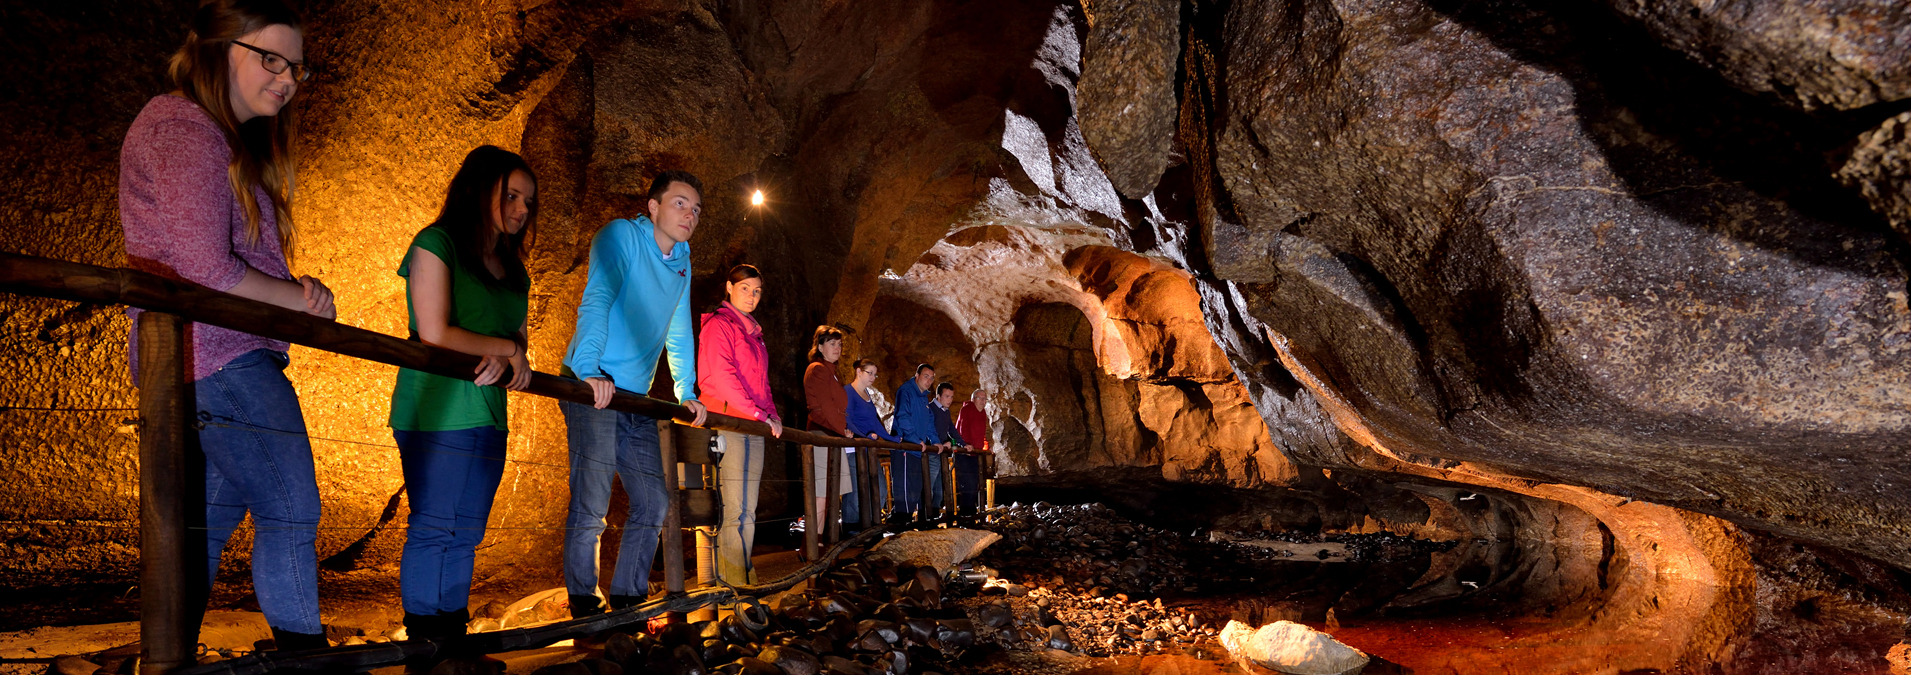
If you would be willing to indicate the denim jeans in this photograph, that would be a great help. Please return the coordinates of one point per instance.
(450, 479)
(905, 472)
(739, 477)
(607, 443)
(267, 471)
(852, 514)
(968, 475)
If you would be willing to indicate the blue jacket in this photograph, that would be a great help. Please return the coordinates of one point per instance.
(915, 418)
(862, 419)
(945, 426)
(636, 304)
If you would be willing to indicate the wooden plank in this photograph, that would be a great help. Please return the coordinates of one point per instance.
(169, 613)
(949, 480)
(810, 525)
(866, 488)
(833, 502)
(927, 502)
(673, 514)
(693, 444)
(699, 508)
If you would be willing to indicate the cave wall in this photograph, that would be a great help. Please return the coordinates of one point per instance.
(1534, 240)
(381, 137)
(1616, 259)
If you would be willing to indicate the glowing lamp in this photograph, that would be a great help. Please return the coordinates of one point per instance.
(756, 199)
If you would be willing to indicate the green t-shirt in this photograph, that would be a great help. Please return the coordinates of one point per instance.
(426, 402)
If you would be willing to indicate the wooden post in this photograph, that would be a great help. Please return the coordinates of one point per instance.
(866, 487)
(833, 502)
(168, 620)
(949, 479)
(988, 478)
(673, 510)
(928, 495)
(810, 525)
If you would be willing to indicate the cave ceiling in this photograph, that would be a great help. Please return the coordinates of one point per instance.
(1586, 251)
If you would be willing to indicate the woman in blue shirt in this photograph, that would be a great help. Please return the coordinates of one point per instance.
(864, 422)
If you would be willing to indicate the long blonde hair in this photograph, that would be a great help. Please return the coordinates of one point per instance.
(262, 154)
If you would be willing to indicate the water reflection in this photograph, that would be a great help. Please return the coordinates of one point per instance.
(1560, 581)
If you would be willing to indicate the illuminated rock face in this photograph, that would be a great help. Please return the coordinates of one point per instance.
(1511, 247)
(1564, 254)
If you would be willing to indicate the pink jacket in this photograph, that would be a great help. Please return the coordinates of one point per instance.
(733, 366)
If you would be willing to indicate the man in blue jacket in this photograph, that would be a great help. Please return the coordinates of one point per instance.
(636, 306)
(915, 423)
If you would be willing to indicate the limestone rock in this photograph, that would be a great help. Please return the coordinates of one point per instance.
(1292, 648)
(1555, 244)
(1840, 54)
(1126, 95)
(941, 549)
(1880, 169)
(1899, 659)
(73, 665)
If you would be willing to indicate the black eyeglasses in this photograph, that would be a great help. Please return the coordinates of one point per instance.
(276, 64)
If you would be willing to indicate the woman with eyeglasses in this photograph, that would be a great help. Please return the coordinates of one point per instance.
(205, 196)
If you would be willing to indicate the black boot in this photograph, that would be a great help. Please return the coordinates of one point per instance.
(621, 601)
(585, 606)
(288, 641)
(453, 623)
(425, 626)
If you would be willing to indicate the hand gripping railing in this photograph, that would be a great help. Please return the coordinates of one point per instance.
(165, 407)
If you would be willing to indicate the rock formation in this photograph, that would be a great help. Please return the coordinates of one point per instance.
(1620, 263)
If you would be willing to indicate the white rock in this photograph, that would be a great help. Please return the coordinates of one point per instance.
(942, 549)
(1292, 648)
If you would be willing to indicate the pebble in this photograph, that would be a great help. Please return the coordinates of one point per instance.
(73, 665)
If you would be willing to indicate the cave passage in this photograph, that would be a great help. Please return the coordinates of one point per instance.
(1478, 335)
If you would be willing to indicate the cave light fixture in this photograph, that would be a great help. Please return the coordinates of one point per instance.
(756, 198)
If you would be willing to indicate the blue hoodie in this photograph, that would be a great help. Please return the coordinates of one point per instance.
(636, 303)
(915, 422)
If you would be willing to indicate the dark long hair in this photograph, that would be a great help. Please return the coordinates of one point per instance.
(479, 186)
(823, 334)
(261, 147)
(737, 274)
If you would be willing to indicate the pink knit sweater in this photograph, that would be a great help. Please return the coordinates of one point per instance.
(183, 221)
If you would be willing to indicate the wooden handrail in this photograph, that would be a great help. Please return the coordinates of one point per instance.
(46, 277)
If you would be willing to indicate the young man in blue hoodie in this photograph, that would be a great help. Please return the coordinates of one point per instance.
(636, 305)
(916, 423)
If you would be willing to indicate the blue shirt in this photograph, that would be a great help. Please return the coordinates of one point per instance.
(862, 420)
(915, 421)
(636, 304)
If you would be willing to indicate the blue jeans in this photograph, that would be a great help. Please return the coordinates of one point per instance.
(740, 476)
(607, 443)
(269, 474)
(851, 508)
(968, 475)
(905, 471)
(450, 478)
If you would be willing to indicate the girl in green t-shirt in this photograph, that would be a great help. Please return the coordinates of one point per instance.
(466, 290)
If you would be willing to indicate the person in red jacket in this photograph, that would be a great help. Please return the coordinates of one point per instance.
(973, 425)
(733, 375)
(828, 406)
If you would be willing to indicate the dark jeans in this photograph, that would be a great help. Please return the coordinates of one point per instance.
(258, 460)
(604, 444)
(905, 473)
(451, 478)
(968, 472)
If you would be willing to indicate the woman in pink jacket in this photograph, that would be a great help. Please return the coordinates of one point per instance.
(733, 378)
